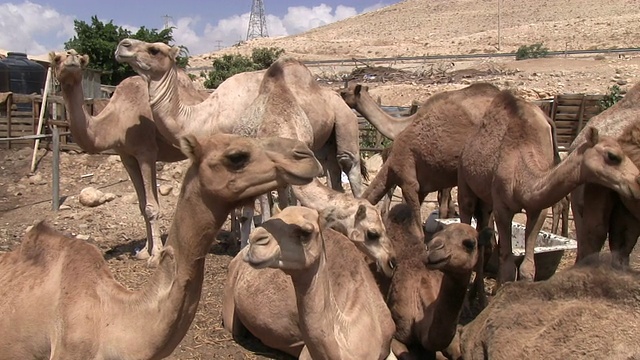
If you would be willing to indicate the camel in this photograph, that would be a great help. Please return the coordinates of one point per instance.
(60, 301)
(428, 288)
(126, 126)
(599, 211)
(509, 165)
(335, 129)
(334, 316)
(425, 154)
(566, 317)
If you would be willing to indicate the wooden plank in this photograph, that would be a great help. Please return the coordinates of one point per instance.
(554, 106)
(569, 97)
(567, 108)
(567, 117)
(581, 121)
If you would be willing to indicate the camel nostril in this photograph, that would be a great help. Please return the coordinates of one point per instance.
(392, 263)
(261, 240)
(301, 152)
(125, 43)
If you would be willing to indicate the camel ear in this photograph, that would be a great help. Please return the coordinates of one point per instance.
(174, 52)
(356, 235)
(52, 57)
(592, 135)
(361, 213)
(190, 147)
(84, 61)
(357, 89)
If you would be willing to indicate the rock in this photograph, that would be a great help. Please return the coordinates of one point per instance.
(64, 207)
(177, 174)
(159, 166)
(130, 198)
(622, 82)
(91, 197)
(165, 190)
(83, 237)
(36, 180)
(108, 197)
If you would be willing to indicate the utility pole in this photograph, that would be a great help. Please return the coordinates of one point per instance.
(218, 44)
(257, 21)
(166, 20)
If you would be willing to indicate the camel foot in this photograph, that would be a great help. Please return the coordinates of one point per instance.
(142, 254)
(527, 270)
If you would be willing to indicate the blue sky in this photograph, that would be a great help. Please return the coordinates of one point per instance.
(37, 27)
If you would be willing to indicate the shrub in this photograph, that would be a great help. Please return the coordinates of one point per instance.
(532, 51)
(228, 65)
(613, 96)
(264, 57)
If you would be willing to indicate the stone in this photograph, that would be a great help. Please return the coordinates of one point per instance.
(130, 198)
(83, 237)
(36, 179)
(91, 197)
(622, 82)
(64, 207)
(165, 190)
(108, 197)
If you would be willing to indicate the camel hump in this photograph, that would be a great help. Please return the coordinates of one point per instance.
(37, 240)
(481, 88)
(276, 70)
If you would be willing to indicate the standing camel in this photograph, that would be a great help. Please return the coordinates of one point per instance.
(338, 321)
(509, 165)
(599, 211)
(125, 125)
(60, 301)
(334, 124)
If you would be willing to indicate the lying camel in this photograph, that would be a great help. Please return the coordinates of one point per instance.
(599, 211)
(590, 311)
(428, 288)
(342, 314)
(60, 301)
(353, 217)
(509, 165)
(126, 126)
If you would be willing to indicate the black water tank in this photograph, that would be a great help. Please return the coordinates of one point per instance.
(4, 78)
(25, 76)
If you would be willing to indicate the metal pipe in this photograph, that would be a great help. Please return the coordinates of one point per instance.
(55, 193)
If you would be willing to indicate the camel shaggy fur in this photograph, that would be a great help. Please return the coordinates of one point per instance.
(334, 315)
(60, 301)
(590, 311)
(126, 126)
(599, 211)
(428, 288)
(516, 170)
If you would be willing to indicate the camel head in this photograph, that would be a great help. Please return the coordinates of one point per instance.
(351, 94)
(605, 163)
(455, 248)
(290, 240)
(68, 66)
(150, 60)
(365, 229)
(237, 169)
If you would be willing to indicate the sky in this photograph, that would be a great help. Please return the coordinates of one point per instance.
(37, 27)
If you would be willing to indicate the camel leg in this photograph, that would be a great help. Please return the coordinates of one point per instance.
(246, 224)
(332, 168)
(535, 220)
(507, 270)
(556, 212)
(400, 350)
(592, 212)
(350, 164)
(149, 211)
(380, 185)
(265, 207)
(411, 192)
(467, 202)
(565, 217)
(623, 235)
(347, 136)
(445, 204)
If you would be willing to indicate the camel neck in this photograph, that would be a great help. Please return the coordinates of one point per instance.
(169, 112)
(317, 308)
(315, 195)
(446, 311)
(388, 125)
(80, 122)
(552, 185)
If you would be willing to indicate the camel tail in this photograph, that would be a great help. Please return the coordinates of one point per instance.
(554, 139)
(363, 169)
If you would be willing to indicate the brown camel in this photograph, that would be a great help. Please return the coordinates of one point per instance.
(60, 301)
(428, 288)
(516, 170)
(425, 155)
(126, 126)
(337, 319)
(335, 129)
(355, 218)
(599, 211)
(590, 311)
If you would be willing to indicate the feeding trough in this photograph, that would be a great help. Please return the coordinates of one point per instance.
(547, 253)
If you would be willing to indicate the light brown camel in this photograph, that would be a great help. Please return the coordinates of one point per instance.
(590, 311)
(428, 288)
(126, 126)
(509, 165)
(60, 301)
(242, 307)
(342, 314)
(599, 211)
(335, 129)
(425, 155)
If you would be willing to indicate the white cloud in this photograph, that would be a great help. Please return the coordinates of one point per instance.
(21, 24)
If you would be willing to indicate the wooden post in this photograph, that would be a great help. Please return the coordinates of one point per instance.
(43, 107)
(9, 105)
(55, 191)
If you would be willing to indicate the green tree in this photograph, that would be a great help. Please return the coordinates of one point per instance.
(264, 57)
(99, 41)
(230, 64)
(613, 95)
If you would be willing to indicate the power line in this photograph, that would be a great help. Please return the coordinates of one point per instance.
(257, 21)
(166, 19)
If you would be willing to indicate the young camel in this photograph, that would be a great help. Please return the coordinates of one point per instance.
(65, 300)
(126, 126)
(428, 288)
(566, 317)
(599, 211)
(516, 170)
(425, 155)
(334, 315)
(279, 329)
(335, 129)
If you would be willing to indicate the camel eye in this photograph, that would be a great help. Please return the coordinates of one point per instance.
(614, 158)
(238, 160)
(373, 235)
(57, 59)
(154, 51)
(469, 244)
